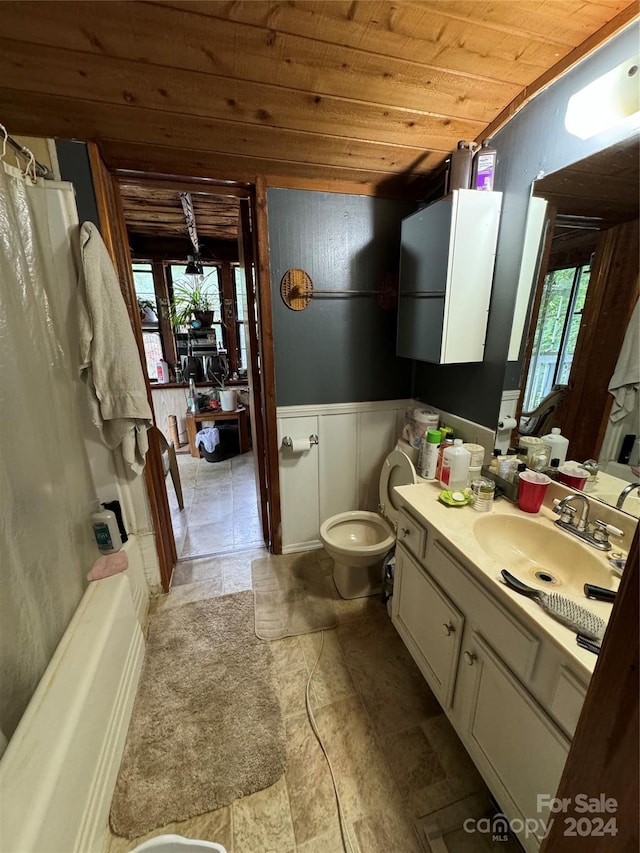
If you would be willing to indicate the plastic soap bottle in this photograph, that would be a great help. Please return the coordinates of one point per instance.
(455, 467)
(461, 165)
(430, 454)
(105, 530)
(557, 444)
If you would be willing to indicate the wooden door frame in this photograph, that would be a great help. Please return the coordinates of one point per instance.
(256, 195)
(114, 234)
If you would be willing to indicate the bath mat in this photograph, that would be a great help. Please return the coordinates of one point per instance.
(293, 595)
(206, 727)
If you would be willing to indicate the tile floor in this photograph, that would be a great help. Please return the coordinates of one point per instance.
(220, 506)
(395, 756)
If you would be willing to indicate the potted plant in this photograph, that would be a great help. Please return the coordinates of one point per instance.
(192, 303)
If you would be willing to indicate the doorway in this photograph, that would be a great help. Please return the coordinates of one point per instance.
(199, 325)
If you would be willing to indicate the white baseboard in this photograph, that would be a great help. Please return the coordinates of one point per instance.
(299, 547)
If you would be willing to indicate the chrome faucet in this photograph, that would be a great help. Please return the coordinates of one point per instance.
(626, 491)
(567, 513)
(598, 537)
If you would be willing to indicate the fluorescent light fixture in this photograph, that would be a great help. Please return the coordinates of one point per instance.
(608, 101)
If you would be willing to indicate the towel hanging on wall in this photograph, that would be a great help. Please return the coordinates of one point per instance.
(626, 377)
(109, 358)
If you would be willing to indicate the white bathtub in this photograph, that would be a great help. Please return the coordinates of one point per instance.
(58, 773)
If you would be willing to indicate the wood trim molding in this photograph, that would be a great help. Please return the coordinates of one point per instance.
(268, 372)
(114, 234)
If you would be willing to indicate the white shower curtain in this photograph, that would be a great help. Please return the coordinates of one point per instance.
(45, 481)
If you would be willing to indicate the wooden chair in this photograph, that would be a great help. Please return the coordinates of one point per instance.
(170, 464)
(546, 414)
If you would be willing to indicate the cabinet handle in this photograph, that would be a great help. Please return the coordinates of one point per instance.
(405, 531)
(448, 629)
(470, 658)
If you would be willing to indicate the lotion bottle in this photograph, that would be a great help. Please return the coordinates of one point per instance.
(105, 530)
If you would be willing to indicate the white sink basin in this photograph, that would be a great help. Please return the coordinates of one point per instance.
(542, 556)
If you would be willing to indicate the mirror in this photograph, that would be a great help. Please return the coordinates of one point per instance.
(586, 289)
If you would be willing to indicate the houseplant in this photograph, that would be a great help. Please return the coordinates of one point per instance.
(192, 302)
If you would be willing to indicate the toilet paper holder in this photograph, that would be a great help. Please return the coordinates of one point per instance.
(287, 441)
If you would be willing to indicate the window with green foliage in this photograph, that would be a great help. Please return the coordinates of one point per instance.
(563, 296)
(147, 303)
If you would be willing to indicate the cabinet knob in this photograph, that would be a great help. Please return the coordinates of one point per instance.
(470, 658)
(448, 629)
(405, 531)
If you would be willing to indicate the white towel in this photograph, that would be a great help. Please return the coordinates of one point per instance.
(109, 358)
(209, 437)
(626, 377)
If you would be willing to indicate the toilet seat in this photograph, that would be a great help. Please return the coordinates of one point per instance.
(397, 470)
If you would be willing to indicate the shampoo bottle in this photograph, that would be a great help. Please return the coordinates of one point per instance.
(455, 467)
(484, 168)
(105, 530)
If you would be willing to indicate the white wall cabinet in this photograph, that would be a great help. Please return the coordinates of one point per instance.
(446, 272)
(510, 695)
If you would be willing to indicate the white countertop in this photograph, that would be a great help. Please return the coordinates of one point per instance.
(455, 525)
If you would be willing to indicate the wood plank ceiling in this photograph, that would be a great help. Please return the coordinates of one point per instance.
(371, 92)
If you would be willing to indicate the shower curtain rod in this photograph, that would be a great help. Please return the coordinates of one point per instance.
(42, 170)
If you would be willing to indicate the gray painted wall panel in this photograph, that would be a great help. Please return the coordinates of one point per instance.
(339, 349)
(534, 141)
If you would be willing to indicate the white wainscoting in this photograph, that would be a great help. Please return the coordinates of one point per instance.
(338, 474)
(342, 471)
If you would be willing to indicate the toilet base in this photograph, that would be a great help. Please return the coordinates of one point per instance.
(358, 581)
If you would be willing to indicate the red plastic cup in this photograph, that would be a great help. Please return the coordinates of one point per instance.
(531, 490)
(575, 478)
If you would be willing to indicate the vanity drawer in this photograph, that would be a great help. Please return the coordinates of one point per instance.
(567, 700)
(515, 645)
(411, 534)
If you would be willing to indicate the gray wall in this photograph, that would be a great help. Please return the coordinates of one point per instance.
(534, 141)
(339, 349)
(73, 159)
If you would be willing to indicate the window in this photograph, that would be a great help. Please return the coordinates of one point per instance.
(241, 315)
(563, 296)
(146, 294)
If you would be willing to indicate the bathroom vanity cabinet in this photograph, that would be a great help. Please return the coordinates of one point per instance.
(512, 695)
(446, 273)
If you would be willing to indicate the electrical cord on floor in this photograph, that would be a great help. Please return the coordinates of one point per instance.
(344, 830)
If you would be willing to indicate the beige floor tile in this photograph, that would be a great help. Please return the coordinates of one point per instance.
(425, 801)
(194, 571)
(189, 592)
(212, 826)
(262, 822)
(329, 842)
(331, 679)
(392, 688)
(311, 795)
(460, 770)
(207, 538)
(236, 579)
(413, 762)
(386, 831)
(364, 780)
(292, 674)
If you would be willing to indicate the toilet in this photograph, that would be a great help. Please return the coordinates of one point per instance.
(359, 541)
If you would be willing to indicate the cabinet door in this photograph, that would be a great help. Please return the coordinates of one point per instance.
(429, 623)
(516, 747)
(424, 261)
